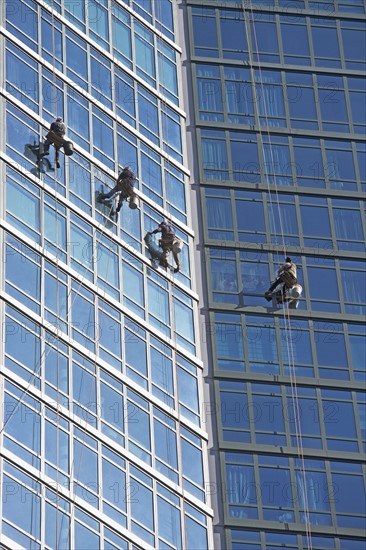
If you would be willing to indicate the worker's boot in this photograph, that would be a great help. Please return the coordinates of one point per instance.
(268, 295)
(177, 268)
(101, 197)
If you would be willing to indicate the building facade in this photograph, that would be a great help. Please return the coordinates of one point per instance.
(102, 443)
(276, 122)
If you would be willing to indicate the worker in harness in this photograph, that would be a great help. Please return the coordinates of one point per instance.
(125, 188)
(169, 242)
(56, 137)
(287, 274)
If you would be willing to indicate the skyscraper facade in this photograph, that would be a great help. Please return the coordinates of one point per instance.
(276, 118)
(102, 444)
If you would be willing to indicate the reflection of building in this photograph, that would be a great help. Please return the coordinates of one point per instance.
(278, 103)
(103, 444)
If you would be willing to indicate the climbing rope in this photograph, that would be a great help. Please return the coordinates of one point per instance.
(286, 314)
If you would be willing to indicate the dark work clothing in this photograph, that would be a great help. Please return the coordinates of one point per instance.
(58, 128)
(168, 243)
(124, 186)
(166, 230)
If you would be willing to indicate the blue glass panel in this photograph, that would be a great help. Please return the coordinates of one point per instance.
(323, 284)
(169, 523)
(142, 504)
(76, 60)
(144, 53)
(22, 21)
(121, 31)
(325, 44)
(84, 538)
(22, 77)
(98, 22)
(331, 349)
(196, 535)
(295, 44)
(233, 36)
(350, 494)
(204, 31)
(315, 221)
(192, 462)
(25, 513)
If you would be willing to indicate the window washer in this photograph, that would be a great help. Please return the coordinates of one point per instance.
(56, 137)
(287, 274)
(125, 188)
(169, 242)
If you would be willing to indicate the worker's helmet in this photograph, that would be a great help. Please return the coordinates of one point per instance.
(288, 259)
(59, 119)
(162, 223)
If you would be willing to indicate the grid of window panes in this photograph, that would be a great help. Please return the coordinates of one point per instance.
(279, 101)
(102, 436)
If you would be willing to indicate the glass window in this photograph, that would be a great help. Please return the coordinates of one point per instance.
(22, 428)
(103, 138)
(78, 119)
(214, 158)
(52, 40)
(326, 49)
(239, 95)
(269, 98)
(121, 32)
(142, 511)
(354, 46)
(250, 220)
(76, 59)
(168, 82)
(301, 101)
(219, 218)
(204, 32)
(350, 496)
(98, 21)
(332, 101)
(295, 43)
(264, 36)
(244, 157)
(158, 307)
(144, 53)
(22, 516)
(22, 346)
(330, 348)
(233, 35)
(101, 80)
(22, 22)
(21, 77)
(23, 205)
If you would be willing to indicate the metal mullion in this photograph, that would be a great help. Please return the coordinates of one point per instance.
(323, 433)
(293, 470)
(330, 488)
(310, 40)
(305, 285)
(357, 424)
(332, 227)
(340, 286)
(340, 44)
(319, 119)
(250, 412)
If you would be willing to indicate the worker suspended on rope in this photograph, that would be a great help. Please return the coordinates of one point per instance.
(287, 275)
(125, 188)
(56, 137)
(169, 242)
